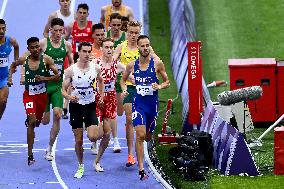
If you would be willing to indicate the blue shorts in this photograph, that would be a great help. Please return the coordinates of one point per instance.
(145, 114)
(3, 82)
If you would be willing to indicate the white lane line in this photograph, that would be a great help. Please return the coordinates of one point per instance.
(3, 8)
(54, 167)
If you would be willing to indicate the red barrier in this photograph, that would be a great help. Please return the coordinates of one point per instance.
(279, 150)
(194, 82)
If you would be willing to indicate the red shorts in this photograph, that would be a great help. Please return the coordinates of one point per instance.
(109, 108)
(35, 104)
(66, 63)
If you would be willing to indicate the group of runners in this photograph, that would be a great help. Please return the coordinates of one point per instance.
(106, 69)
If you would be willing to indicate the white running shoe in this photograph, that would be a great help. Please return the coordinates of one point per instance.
(110, 143)
(98, 167)
(95, 148)
(80, 172)
(48, 156)
(116, 147)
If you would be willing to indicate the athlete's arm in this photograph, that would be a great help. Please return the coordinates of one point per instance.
(160, 69)
(43, 44)
(129, 69)
(69, 52)
(130, 13)
(68, 31)
(46, 28)
(117, 52)
(100, 80)
(65, 85)
(19, 61)
(15, 44)
(102, 19)
(120, 67)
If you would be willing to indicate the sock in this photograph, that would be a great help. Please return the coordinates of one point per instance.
(49, 148)
(115, 139)
(65, 111)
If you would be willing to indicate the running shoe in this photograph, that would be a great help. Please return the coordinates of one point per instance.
(130, 161)
(31, 160)
(143, 175)
(64, 116)
(98, 167)
(80, 172)
(116, 147)
(95, 148)
(48, 156)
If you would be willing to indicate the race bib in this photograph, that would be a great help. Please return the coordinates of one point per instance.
(85, 93)
(144, 90)
(109, 86)
(37, 89)
(59, 68)
(4, 62)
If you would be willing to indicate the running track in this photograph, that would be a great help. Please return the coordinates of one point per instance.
(27, 18)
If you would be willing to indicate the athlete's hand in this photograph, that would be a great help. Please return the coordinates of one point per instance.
(10, 82)
(73, 99)
(156, 86)
(39, 78)
(124, 93)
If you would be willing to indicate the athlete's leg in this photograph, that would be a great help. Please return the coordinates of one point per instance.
(4, 93)
(129, 128)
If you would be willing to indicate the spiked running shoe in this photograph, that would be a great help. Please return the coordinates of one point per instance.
(130, 161)
(31, 160)
(143, 175)
(80, 172)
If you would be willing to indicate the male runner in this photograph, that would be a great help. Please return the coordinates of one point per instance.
(115, 7)
(37, 68)
(57, 48)
(81, 77)
(6, 44)
(115, 33)
(98, 36)
(145, 105)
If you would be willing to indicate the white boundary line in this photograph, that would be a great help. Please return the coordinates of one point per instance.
(3, 8)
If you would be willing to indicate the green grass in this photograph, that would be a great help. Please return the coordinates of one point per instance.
(227, 29)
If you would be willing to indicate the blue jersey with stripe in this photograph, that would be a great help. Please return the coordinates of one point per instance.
(5, 50)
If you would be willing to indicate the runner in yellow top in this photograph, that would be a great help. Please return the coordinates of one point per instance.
(115, 7)
(128, 52)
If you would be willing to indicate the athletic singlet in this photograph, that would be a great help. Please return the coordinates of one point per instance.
(120, 40)
(5, 50)
(81, 35)
(58, 55)
(109, 11)
(128, 56)
(109, 76)
(96, 53)
(67, 19)
(144, 80)
(31, 85)
(82, 84)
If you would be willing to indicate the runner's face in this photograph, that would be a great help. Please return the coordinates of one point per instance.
(2, 30)
(34, 49)
(133, 33)
(82, 14)
(98, 35)
(65, 4)
(144, 47)
(115, 25)
(116, 3)
(56, 32)
(84, 53)
(108, 48)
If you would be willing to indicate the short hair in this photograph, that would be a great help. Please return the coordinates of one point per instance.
(32, 40)
(124, 18)
(134, 24)
(97, 26)
(84, 44)
(142, 37)
(83, 6)
(114, 16)
(107, 39)
(2, 21)
(57, 21)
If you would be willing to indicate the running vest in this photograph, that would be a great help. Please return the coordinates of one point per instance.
(109, 76)
(128, 56)
(96, 53)
(109, 11)
(144, 80)
(58, 55)
(67, 19)
(31, 85)
(81, 35)
(82, 84)
(120, 40)
(5, 50)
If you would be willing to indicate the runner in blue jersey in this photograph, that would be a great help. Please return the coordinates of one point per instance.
(146, 70)
(6, 44)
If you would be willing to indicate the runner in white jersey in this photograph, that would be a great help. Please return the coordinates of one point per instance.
(81, 77)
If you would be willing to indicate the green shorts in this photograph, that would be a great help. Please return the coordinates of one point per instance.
(131, 91)
(117, 84)
(54, 98)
